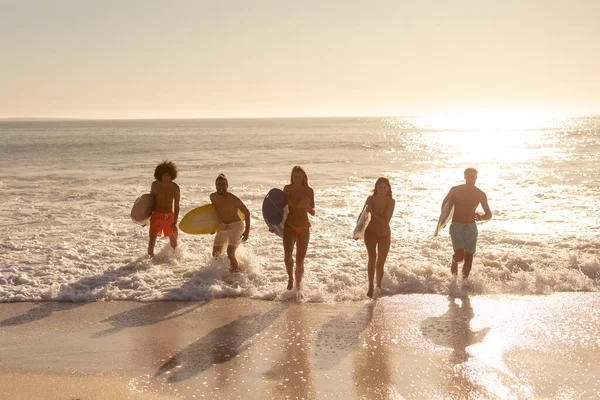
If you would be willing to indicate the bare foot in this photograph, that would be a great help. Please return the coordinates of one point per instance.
(290, 285)
(370, 292)
(454, 267)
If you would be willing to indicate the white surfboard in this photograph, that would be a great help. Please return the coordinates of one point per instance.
(361, 225)
(142, 209)
(445, 217)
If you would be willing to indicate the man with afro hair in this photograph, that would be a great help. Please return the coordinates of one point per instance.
(166, 205)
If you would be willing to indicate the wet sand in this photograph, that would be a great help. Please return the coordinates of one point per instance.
(402, 346)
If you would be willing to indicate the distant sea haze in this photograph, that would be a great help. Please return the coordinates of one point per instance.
(67, 188)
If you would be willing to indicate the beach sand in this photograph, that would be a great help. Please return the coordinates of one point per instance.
(412, 346)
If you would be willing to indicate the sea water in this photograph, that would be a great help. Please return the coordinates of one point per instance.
(67, 187)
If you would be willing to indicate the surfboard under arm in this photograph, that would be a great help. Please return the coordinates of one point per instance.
(361, 224)
(445, 217)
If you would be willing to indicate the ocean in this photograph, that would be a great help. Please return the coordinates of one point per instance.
(67, 187)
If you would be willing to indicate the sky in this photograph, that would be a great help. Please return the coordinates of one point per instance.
(279, 58)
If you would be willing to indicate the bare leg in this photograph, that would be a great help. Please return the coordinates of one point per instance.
(466, 269)
(173, 241)
(459, 255)
(454, 267)
(234, 263)
(217, 251)
(382, 251)
(289, 240)
(151, 242)
(302, 240)
(371, 244)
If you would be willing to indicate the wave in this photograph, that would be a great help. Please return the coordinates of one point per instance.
(184, 275)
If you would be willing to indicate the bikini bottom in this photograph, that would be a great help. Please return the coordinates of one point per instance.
(298, 229)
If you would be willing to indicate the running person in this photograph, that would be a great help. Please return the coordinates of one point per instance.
(463, 230)
(166, 205)
(231, 229)
(381, 205)
(296, 232)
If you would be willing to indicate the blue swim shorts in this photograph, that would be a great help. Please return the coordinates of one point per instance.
(464, 236)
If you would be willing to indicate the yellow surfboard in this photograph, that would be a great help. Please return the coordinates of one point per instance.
(202, 220)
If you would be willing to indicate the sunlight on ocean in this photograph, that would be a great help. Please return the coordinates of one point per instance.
(67, 188)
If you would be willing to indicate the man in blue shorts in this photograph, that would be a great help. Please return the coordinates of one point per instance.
(463, 229)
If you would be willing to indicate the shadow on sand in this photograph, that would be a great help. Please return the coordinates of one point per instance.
(453, 329)
(149, 314)
(70, 292)
(219, 346)
(42, 311)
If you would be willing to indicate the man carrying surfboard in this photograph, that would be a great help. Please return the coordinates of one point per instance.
(231, 229)
(463, 230)
(166, 205)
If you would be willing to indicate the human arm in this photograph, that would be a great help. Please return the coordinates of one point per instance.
(311, 203)
(153, 194)
(387, 213)
(242, 207)
(447, 198)
(365, 207)
(176, 198)
(153, 188)
(216, 201)
(486, 208)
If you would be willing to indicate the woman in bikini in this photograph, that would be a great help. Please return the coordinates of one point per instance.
(301, 202)
(378, 234)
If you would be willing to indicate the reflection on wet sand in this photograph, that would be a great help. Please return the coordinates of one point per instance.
(453, 330)
(219, 346)
(291, 374)
(372, 372)
(339, 336)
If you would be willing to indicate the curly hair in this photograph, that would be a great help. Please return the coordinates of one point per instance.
(386, 181)
(304, 175)
(165, 167)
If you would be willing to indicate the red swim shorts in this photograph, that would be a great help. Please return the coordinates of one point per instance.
(162, 223)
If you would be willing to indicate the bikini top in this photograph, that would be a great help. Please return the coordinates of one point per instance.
(297, 205)
(387, 203)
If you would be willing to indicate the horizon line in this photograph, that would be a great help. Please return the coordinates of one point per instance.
(33, 119)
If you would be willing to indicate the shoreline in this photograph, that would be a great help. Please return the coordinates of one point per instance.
(413, 345)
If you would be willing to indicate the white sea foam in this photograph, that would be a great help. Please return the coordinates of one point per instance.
(65, 232)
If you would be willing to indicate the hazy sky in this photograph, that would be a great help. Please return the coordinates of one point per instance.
(171, 59)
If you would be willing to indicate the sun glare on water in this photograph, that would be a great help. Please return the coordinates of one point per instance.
(489, 138)
(507, 149)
